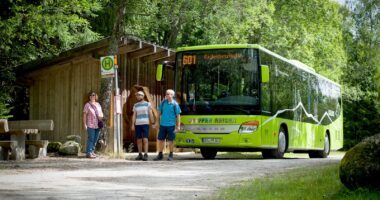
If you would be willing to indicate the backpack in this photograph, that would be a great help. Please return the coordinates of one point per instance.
(174, 107)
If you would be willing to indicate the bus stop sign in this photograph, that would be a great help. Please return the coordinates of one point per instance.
(107, 66)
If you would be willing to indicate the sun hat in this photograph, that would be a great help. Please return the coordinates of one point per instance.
(140, 93)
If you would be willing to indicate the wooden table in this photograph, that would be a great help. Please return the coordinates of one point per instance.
(18, 131)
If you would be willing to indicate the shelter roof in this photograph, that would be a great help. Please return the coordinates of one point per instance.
(135, 46)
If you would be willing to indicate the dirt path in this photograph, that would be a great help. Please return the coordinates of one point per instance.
(188, 177)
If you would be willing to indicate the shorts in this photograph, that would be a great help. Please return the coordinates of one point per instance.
(166, 132)
(142, 131)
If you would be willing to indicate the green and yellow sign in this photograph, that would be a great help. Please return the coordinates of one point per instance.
(107, 66)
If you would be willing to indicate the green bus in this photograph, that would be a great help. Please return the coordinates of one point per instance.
(244, 98)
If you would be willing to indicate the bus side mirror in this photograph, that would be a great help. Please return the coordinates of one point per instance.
(264, 74)
(160, 68)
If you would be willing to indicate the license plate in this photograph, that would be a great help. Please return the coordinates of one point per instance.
(211, 140)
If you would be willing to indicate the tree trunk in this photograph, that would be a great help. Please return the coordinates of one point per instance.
(106, 88)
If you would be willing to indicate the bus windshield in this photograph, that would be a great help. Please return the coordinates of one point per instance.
(223, 81)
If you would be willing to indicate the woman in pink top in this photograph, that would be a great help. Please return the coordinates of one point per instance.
(92, 113)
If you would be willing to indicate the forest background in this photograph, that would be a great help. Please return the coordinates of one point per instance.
(340, 41)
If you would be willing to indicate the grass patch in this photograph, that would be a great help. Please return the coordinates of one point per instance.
(319, 182)
(257, 155)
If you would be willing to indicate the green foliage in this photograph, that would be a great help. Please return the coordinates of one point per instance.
(44, 28)
(4, 110)
(225, 25)
(196, 22)
(361, 74)
(361, 119)
(32, 29)
(6, 78)
(309, 31)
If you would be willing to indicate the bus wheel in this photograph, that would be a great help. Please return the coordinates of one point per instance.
(281, 147)
(208, 153)
(324, 153)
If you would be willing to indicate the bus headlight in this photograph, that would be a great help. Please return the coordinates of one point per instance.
(248, 127)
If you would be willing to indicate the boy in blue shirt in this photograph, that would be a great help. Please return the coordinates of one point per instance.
(169, 112)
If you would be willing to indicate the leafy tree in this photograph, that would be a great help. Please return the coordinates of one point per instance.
(361, 78)
(309, 31)
(238, 21)
(6, 79)
(34, 29)
(192, 22)
(107, 83)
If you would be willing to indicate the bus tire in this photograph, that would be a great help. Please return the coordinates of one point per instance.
(325, 152)
(281, 146)
(208, 153)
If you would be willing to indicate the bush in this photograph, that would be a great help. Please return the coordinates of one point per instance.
(360, 167)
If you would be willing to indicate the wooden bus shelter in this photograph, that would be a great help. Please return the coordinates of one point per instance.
(58, 87)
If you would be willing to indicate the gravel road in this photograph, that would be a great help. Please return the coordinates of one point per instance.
(187, 177)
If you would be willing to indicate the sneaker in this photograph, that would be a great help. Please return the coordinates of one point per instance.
(170, 157)
(139, 157)
(145, 157)
(159, 157)
(90, 156)
(93, 154)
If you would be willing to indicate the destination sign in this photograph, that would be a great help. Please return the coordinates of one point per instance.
(189, 59)
(192, 59)
(222, 56)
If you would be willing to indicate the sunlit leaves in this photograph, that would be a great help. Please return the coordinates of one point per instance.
(34, 29)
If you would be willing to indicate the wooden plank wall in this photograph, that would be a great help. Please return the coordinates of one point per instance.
(60, 91)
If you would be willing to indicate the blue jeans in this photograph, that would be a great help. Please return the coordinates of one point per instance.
(92, 139)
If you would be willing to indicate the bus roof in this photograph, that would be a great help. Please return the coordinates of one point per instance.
(218, 46)
(295, 63)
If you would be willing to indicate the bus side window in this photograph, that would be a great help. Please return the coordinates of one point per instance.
(265, 87)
